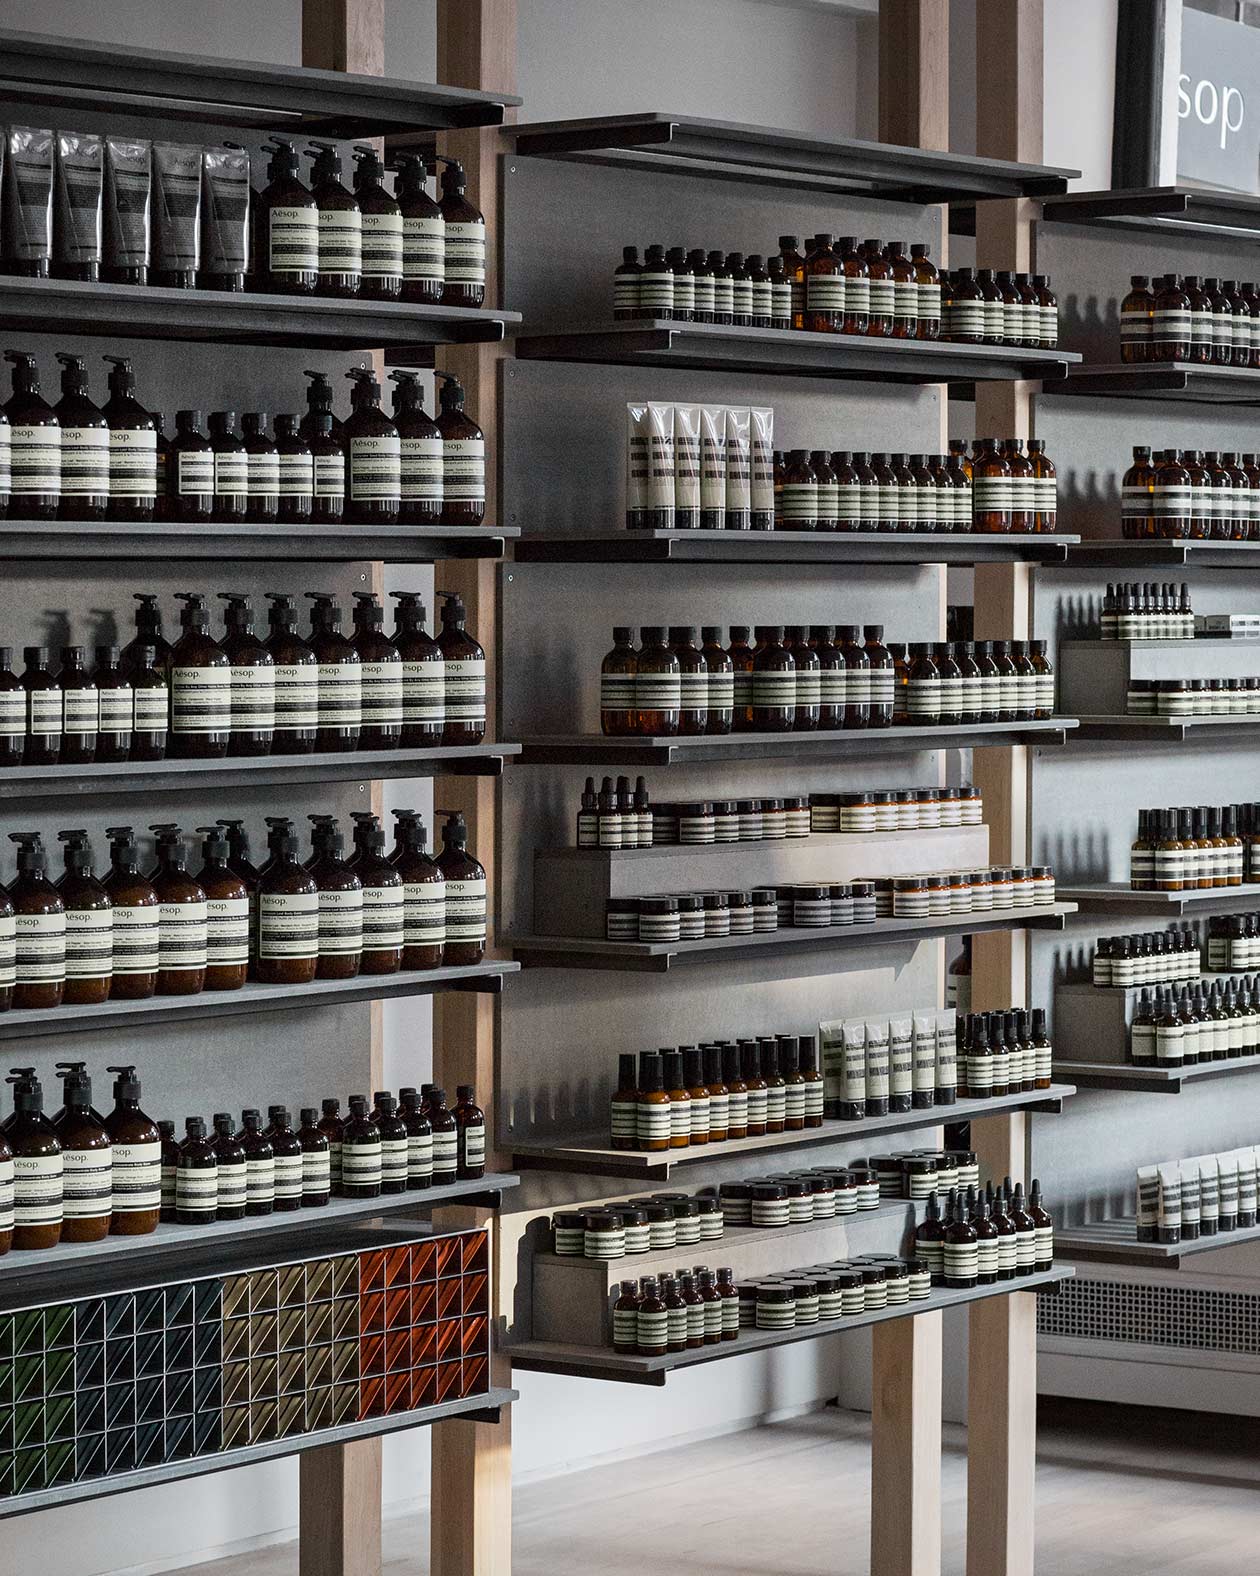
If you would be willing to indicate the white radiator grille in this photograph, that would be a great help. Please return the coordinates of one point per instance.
(1185, 1316)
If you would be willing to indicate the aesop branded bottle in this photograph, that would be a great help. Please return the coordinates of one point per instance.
(252, 679)
(233, 1163)
(227, 913)
(465, 895)
(43, 709)
(86, 1160)
(445, 1138)
(286, 1149)
(136, 1158)
(316, 1175)
(382, 228)
(360, 1152)
(12, 711)
(382, 898)
(89, 925)
(262, 469)
(40, 927)
(288, 912)
(34, 444)
(470, 1123)
(340, 224)
(423, 674)
(84, 446)
(381, 676)
(340, 677)
(463, 457)
(150, 699)
(80, 715)
(132, 447)
(231, 468)
(135, 918)
(420, 452)
(37, 1165)
(182, 917)
(201, 686)
(373, 455)
(115, 707)
(295, 679)
(424, 894)
(148, 634)
(464, 237)
(260, 1165)
(463, 677)
(423, 233)
(286, 216)
(340, 902)
(296, 473)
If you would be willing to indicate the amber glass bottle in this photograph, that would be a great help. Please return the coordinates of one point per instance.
(1023, 487)
(360, 1152)
(227, 913)
(40, 927)
(89, 925)
(295, 680)
(12, 712)
(43, 709)
(463, 457)
(286, 1151)
(382, 228)
(85, 1157)
(135, 920)
(230, 1158)
(132, 447)
(881, 677)
(464, 236)
(35, 444)
(824, 289)
(618, 716)
(231, 469)
(857, 286)
(423, 674)
(424, 894)
(181, 917)
(80, 716)
(295, 471)
(393, 1130)
(240, 864)
(693, 715)
(262, 469)
(465, 894)
(423, 233)
(340, 902)
(657, 685)
(340, 224)
(150, 700)
(84, 446)
(773, 684)
(286, 226)
(260, 1165)
(252, 676)
(470, 1123)
(380, 673)
(197, 1175)
(201, 686)
(882, 291)
(115, 707)
(148, 635)
(332, 1126)
(339, 674)
(991, 484)
(463, 675)
(136, 1158)
(288, 912)
(382, 897)
(808, 707)
(742, 656)
(420, 453)
(373, 455)
(316, 1174)
(38, 1176)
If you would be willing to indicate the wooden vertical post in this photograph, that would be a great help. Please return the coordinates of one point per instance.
(339, 1498)
(906, 1447)
(471, 1529)
(1002, 1383)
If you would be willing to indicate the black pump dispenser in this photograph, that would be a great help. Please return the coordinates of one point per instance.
(31, 858)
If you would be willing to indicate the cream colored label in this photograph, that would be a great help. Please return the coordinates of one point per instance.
(296, 691)
(197, 1188)
(252, 698)
(340, 695)
(288, 925)
(35, 461)
(37, 1190)
(466, 910)
(87, 1182)
(262, 475)
(340, 923)
(194, 472)
(227, 930)
(381, 693)
(340, 241)
(152, 707)
(40, 949)
(464, 689)
(287, 1171)
(382, 917)
(135, 939)
(420, 462)
(89, 943)
(424, 247)
(201, 700)
(84, 460)
(295, 475)
(293, 236)
(43, 712)
(137, 1177)
(330, 475)
(465, 262)
(182, 935)
(424, 691)
(114, 710)
(376, 469)
(132, 463)
(382, 245)
(80, 713)
(424, 913)
(464, 470)
(316, 1171)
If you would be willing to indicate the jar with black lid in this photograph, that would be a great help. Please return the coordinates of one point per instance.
(658, 919)
(690, 916)
(621, 919)
(770, 1205)
(765, 904)
(776, 1305)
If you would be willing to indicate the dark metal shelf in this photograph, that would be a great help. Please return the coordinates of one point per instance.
(104, 81)
(1171, 209)
(595, 1362)
(1180, 554)
(591, 1156)
(1115, 1242)
(269, 543)
(1165, 730)
(485, 1408)
(657, 957)
(27, 1024)
(580, 749)
(788, 353)
(784, 547)
(1150, 1080)
(1169, 380)
(1115, 897)
(51, 306)
(725, 150)
(268, 771)
(170, 1239)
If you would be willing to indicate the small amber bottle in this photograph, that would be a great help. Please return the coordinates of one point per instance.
(286, 1150)
(170, 1169)
(382, 898)
(693, 716)
(470, 1120)
(445, 1138)
(652, 1114)
(464, 675)
(196, 1176)
(260, 1165)
(37, 1166)
(719, 1098)
(40, 926)
(424, 894)
(758, 1103)
(991, 486)
(333, 1127)
(882, 293)
(340, 677)
(315, 1167)
(1172, 496)
(928, 284)
(857, 285)
(657, 685)
(262, 469)
(227, 913)
(150, 699)
(857, 677)
(86, 1160)
(182, 917)
(136, 1155)
(288, 912)
(618, 717)
(252, 679)
(231, 469)
(43, 709)
(190, 470)
(625, 1319)
(89, 925)
(1022, 487)
(824, 289)
(736, 1093)
(465, 894)
(232, 1176)
(115, 707)
(419, 1141)
(808, 686)
(1137, 321)
(296, 473)
(773, 684)
(12, 710)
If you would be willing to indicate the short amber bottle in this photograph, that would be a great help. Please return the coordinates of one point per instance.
(382, 898)
(43, 709)
(233, 1184)
(197, 1176)
(136, 1160)
(262, 469)
(260, 1165)
(87, 1170)
(286, 1152)
(618, 715)
(316, 1178)
(288, 912)
(424, 894)
(466, 898)
(135, 920)
(332, 1126)
(693, 715)
(991, 481)
(360, 1152)
(80, 716)
(773, 683)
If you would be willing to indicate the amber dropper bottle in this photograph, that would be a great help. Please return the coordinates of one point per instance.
(86, 1160)
(137, 1160)
(37, 1165)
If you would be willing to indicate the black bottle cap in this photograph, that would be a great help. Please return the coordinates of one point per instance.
(451, 394)
(35, 656)
(31, 858)
(330, 1107)
(195, 1126)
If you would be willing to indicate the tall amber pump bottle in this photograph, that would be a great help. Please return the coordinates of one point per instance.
(137, 1160)
(382, 228)
(252, 679)
(373, 455)
(136, 920)
(340, 224)
(38, 1175)
(84, 445)
(201, 686)
(423, 674)
(34, 444)
(424, 894)
(466, 916)
(132, 447)
(464, 675)
(44, 715)
(340, 677)
(464, 238)
(227, 913)
(340, 894)
(463, 456)
(86, 1159)
(288, 912)
(295, 679)
(382, 898)
(380, 674)
(420, 453)
(89, 925)
(286, 220)
(148, 633)
(182, 916)
(40, 924)
(423, 233)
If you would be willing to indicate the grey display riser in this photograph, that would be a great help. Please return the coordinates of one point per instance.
(572, 1296)
(1094, 675)
(572, 886)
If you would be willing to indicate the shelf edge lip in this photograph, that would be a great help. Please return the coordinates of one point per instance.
(864, 546)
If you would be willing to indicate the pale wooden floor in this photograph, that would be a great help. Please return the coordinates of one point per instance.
(1121, 1492)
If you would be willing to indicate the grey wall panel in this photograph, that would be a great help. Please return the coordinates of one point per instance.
(565, 225)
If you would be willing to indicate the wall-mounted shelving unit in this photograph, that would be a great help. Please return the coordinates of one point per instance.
(1115, 1241)
(1114, 897)
(260, 542)
(1163, 210)
(1116, 553)
(784, 547)
(1172, 380)
(1150, 1080)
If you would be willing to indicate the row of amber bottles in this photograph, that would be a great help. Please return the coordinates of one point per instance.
(77, 461)
(1187, 848)
(203, 699)
(1205, 321)
(978, 1240)
(995, 491)
(1199, 494)
(1133, 610)
(130, 935)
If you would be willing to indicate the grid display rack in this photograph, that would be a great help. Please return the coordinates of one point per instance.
(142, 1360)
(563, 395)
(1087, 800)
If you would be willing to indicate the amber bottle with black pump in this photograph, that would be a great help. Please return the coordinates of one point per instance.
(252, 679)
(340, 677)
(463, 675)
(424, 894)
(360, 1152)
(35, 444)
(295, 465)
(84, 446)
(340, 902)
(43, 709)
(382, 898)
(260, 1165)
(115, 707)
(148, 633)
(181, 916)
(262, 469)
(89, 925)
(373, 455)
(382, 228)
(380, 675)
(227, 913)
(40, 925)
(201, 686)
(464, 235)
(295, 679)
(423, 674)
(37, 1165)
(151, 705)
(420, 453)
(463, 456)
(87, 1166)
(288, 912)
(286, 220)
(340, 224)
(136, 1156)
(466, 917)
(423, 233)
(135, 918)
(132, 447)
(12, 712)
